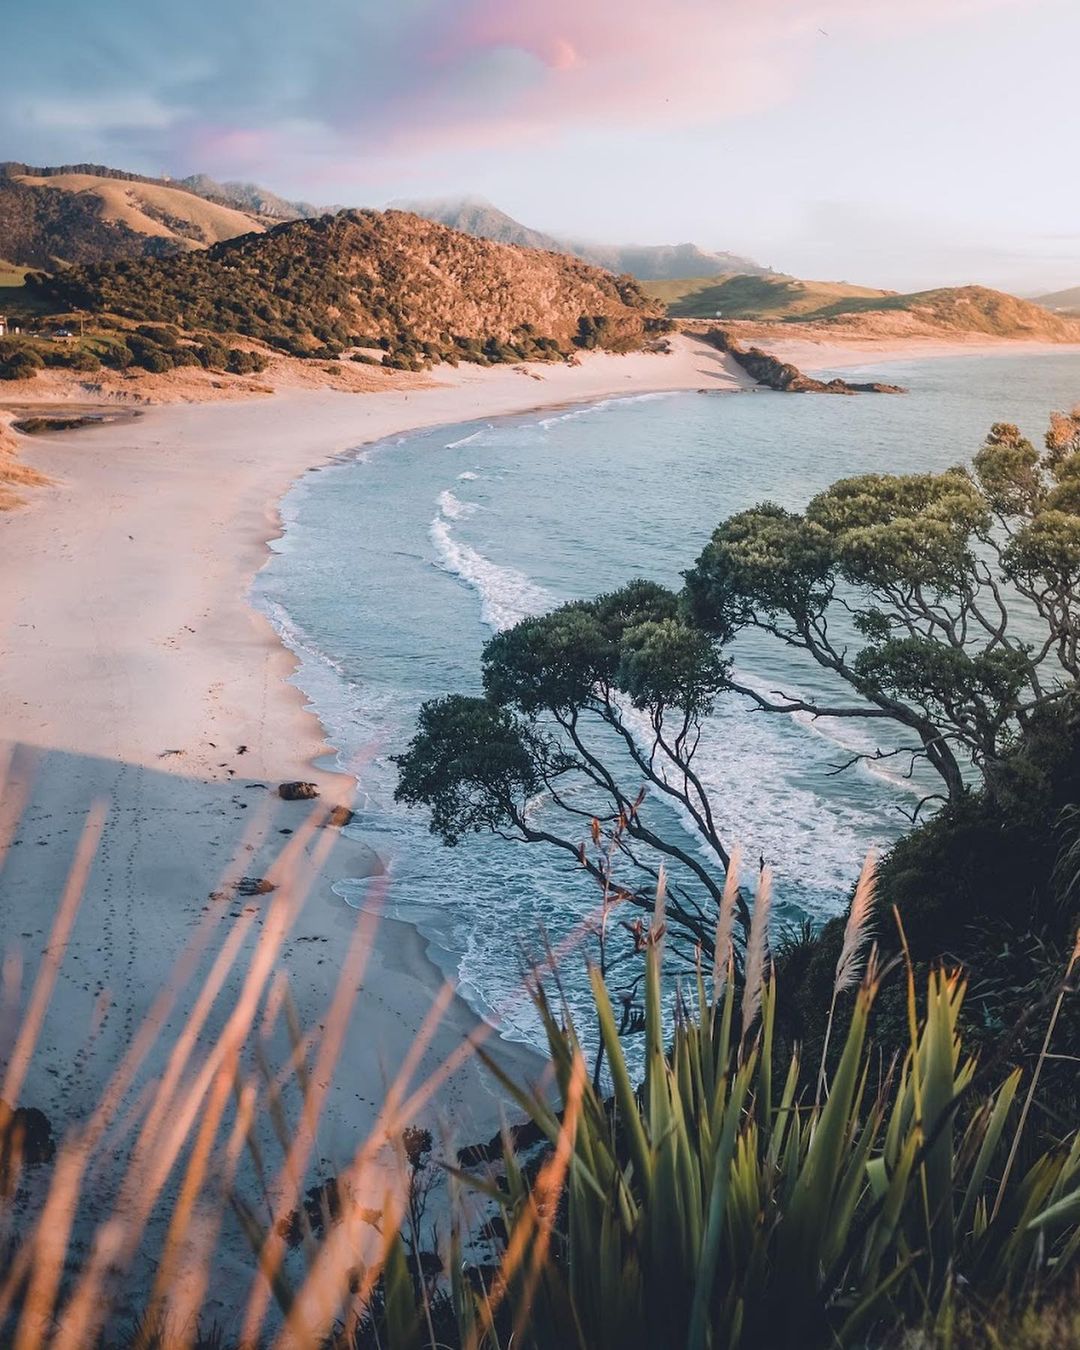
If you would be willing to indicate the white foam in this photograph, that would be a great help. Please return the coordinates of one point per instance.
(546, 423)
(506, 595)
(468, 476)
(453, 508)
(845, 733)
(813, 845)
(466, 440)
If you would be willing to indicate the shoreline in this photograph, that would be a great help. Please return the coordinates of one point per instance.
(136, 670)
(152, 680)
(817, 355)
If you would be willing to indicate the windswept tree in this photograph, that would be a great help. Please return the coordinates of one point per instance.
(945, 607)
(590, 718)
(948, 603)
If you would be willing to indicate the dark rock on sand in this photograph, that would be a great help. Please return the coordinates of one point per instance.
(524, 1136)
(254, 886)
(297, 792)
(26, 1139)
(772, 373)
(340, 816)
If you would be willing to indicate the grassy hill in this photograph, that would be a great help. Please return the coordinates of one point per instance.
(419, 291)
(754, 297)
(1061, 302)
(86, 213)
(961, 309)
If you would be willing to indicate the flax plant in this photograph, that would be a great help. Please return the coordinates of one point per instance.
(703, 1211)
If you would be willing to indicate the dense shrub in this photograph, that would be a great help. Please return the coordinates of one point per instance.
(19, 363)
(148, 355)
(84, 360)
(977, 885)
(161, 335)
(243, 362)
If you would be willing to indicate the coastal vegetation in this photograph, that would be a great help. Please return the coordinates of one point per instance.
(941, 612)
(745, 1193)
(363, 279)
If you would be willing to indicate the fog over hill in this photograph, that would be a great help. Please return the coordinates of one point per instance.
(647, 262)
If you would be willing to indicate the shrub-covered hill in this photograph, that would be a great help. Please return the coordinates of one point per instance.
(390, 279)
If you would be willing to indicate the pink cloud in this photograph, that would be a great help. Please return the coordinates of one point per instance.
(625, 62)
(483, 72)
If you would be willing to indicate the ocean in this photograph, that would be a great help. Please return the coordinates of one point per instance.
(401, 559)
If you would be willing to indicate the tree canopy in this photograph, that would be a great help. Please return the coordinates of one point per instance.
(943, 605)
(947, 602)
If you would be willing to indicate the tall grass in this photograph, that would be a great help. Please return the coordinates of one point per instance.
(733, 1198)
(716, 1207)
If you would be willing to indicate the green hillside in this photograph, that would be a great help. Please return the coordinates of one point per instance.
(389, 280)
(953, 309)
(739, 296)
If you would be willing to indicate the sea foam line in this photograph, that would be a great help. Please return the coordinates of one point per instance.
(546, 423)
(453, 508)
(506, 595)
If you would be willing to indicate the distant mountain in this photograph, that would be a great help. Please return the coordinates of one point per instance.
(389, 279)
(473, 215)
(647, 262)
(948, 309)
(1061, 302)
(252, 198)
(81, 213)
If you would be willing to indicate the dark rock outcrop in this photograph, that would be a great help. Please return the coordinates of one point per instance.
(297, 792)
(772, 373)
(340, 816)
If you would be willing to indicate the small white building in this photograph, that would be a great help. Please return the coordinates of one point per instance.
(3, 325)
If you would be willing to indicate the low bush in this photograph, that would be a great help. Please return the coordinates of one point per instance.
(20, 363)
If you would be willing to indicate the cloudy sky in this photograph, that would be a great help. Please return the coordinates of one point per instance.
(895, 142)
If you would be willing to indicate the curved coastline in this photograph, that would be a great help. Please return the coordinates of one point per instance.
(135, 671)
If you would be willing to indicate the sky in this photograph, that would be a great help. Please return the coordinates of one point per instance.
(900, 143)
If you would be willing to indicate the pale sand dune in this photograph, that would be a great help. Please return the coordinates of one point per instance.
(813, 353)
(133, 670)
(125, 202)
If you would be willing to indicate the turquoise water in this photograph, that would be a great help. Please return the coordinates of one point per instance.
(398, 562)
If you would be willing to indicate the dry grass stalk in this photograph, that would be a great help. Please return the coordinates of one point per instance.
(723, 950)
(757, 951)
(849, 964)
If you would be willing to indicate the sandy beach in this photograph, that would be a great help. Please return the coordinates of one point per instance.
(134, 673)
(816, 353)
